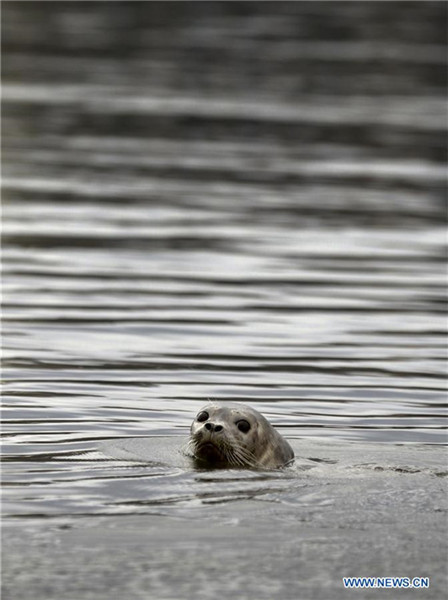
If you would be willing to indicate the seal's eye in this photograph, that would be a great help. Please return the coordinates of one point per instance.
(202, 416)
(243, 426)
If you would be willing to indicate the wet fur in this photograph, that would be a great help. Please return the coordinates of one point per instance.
(261, 447)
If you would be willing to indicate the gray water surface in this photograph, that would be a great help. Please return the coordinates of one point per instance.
(239, 201)
(138, 520)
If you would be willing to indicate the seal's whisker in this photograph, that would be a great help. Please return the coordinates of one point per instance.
(244, 456)
(190, 447)
(238, 460)
(233, 455)
(245, 451)
(187, 447)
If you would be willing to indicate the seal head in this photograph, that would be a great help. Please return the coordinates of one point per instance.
(236, 435)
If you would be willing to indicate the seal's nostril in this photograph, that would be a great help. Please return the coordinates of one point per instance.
(212, 427)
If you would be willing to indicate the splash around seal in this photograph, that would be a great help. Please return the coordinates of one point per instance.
(236, 436)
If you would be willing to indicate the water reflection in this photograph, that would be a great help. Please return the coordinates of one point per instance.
(233, 200)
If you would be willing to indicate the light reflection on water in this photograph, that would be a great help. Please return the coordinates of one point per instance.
(172, 235)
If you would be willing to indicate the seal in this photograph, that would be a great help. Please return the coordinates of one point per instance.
(235, 435)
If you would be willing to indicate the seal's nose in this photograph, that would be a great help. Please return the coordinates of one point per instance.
(212, 427)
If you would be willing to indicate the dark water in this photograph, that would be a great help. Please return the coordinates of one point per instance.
(240, 201)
